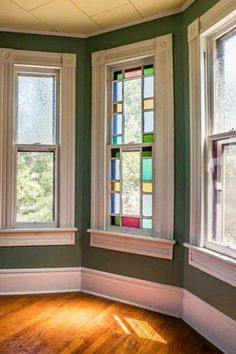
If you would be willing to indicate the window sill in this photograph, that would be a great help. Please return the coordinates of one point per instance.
(37, 237)
(213, 263)
(147, 246)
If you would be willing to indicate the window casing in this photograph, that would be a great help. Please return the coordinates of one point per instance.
(212, 141)
(37, 144)
(127, 233)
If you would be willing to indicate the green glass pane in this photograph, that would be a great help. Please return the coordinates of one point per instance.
(147, 151)
(118, 75)
(116, 140)
(115, 153)
(148, 138)
(146, 169)
(148, 70)
(115, 220)
(147, 224)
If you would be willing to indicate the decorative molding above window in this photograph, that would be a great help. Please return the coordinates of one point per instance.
(159, 50)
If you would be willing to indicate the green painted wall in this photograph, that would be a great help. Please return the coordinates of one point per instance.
(176, 272)
(52, 256)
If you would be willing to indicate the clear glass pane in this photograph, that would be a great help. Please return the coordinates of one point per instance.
(148, 87)
(35, 187)
(131, 183)
(229, 209)
(36, 109)
(147, 224)
(133, 111)
(147, 205)
(225, 83)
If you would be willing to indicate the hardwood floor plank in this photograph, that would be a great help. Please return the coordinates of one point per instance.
(80, 323)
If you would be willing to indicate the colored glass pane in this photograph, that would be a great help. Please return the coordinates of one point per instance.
(115, 152)
(146, 169)
(117, 91)
(130, 222)
(131, 183)
(118, 75)
(134, 72)
(117, 107)
(148, 87)
(115, 220)
(148, 70)
(115, 169)
(147, 151)
(148, 125)
(147, 205)
(148, 104)
(148, 138)
(115, 203)
(115, 186)
(147, 187)
(133, 111)
(147, 224)
(117, 140)
(117, 124)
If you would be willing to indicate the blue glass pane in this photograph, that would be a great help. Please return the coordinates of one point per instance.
(146, 169)
(115, 169)
(148, 87)
(148, 121)
(147, 205)
(147, 224)
(115, 203)
(117, 91)
(117, 124)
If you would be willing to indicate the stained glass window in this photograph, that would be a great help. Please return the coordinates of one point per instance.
(131, 150)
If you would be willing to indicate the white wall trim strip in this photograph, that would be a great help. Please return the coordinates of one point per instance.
(212, 324)
(215, 326)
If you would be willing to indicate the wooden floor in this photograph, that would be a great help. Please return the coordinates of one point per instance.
(79, 323)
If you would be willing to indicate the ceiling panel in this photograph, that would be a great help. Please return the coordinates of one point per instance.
(12, 16)
(153, 7)
(30, 4)
(94, 7)
(120, 15)
(63, 16)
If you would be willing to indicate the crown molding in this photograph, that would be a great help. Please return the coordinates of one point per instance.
(106, 30)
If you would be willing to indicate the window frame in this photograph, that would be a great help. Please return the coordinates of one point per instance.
(62, 231)
(161, 243)
(205, 254)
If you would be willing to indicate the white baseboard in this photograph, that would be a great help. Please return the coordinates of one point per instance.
(39, 280)
(212, 324)
(156, 297)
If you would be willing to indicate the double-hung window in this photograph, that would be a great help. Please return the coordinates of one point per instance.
(212, 52)
(37, 148)
(132, 148)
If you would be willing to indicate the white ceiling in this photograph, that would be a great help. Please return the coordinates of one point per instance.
(82, 17)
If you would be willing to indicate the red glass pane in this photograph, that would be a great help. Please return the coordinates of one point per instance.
(130, 222)
(134, 72)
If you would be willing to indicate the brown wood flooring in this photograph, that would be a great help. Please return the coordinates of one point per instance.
(80, 323)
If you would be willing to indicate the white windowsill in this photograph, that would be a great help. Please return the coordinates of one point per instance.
(213, 263)
(144, 245)
(37, 237)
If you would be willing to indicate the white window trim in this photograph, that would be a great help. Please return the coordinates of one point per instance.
(161, 49)
(64, 232)
(214, 263)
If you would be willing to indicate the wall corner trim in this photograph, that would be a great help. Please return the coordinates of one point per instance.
(193, 30)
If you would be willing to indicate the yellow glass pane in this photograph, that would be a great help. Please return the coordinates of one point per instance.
(147, 187)
(115, 186)
(117, 108)
(148, 104)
